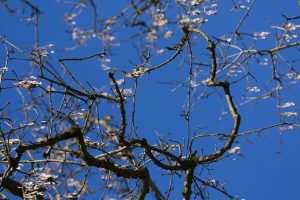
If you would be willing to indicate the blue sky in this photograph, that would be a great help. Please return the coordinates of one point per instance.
(261, 173)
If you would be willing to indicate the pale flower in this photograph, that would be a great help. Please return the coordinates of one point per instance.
(264, 61)
(127, 91)
(196, 2)
(111, 21)
(292, 76)
(261, 35)
(50, 88)
(205, 81)
(196, 12)
(160, 51)
(159, 18)
(234, 71)
(193, 84)
(212, 182)
(76, 32)
(286, 105)
(151, 35)
(79, 114)
(187, 20)
(286, 128)
(234, 150)
(288, 114)
(136, 72)
(168, 34)
(47, 179)
(253, 89)
(198, 20)
(3, 69)
(211, 12)
(104, 66)
(225, 39)
(120, 81)
(28, 84)
(291, 27)
(289, 37)
(71, 182)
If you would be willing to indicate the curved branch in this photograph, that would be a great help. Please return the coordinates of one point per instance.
(179, 48)
(226, 87)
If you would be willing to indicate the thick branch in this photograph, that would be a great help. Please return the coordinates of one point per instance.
(12, 186)
(188, 180)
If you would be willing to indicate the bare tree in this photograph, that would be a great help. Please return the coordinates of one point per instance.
(63, 136)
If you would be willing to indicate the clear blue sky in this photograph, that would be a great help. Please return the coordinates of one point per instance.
(261, 173)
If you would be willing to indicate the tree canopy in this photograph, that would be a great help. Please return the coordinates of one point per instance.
(142, 99)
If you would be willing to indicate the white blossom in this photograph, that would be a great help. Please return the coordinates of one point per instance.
(104, 66)
(261, 35)
(205, 81)
(253, 89)
(32, 190)
(160, 51)
(291, 27)
(264, 61)
(187, 20)
(292, 75)
(28, 84)
(3, 69)
(159, 19)
(193, 84)
(289, 37)
(79, 114)
(108, 37)
(39, 128)
(290, 127)
(168, 34)
(50, 88)
(196, 12)
(225, 39)
(234, 71)
(212, 5)
(136, 72)
(212, 182)
(196, 2)
(234, 150)
(71, 182)
(288, 114)
(127, 91)
(151, 35)
(47, 179)
(286, 105)
(198, 20)
(111, 21)
(120, 81)
(10, 141)
(211, 12)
